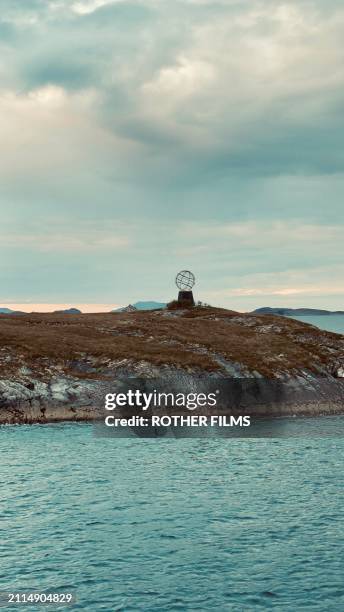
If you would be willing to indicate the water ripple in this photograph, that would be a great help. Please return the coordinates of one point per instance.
(172, 524)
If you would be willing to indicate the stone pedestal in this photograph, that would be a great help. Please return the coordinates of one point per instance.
(186, 297)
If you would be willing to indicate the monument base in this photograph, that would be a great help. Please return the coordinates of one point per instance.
(186, 298)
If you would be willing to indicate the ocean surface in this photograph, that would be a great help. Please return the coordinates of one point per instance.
(174, 524)
(333, 323)
(158, 525)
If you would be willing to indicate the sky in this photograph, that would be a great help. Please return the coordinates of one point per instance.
(142, 138)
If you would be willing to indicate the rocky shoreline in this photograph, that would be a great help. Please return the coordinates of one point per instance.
(60, 367)
(66, 399)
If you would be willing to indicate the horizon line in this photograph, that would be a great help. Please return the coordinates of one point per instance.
(49, 307)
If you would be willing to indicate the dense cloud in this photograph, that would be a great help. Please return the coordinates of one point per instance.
(165, 116)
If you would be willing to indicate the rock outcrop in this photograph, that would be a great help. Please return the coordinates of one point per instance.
(59, 367)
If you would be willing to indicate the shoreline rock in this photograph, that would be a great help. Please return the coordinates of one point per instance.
(68, 399)
(59, 367)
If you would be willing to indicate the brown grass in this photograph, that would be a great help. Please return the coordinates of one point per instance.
(172, 338)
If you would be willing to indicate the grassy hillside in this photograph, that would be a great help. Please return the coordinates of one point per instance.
(207, 339)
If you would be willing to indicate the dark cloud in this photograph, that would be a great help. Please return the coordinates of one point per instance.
(69, 73)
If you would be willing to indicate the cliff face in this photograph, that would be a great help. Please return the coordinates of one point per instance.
(57, 367)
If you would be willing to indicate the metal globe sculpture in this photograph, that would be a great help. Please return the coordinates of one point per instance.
(185, 280)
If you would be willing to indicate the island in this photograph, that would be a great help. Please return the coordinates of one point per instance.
(59, 366)
(297, 312)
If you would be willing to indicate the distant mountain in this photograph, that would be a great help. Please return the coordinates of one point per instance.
(142, 306)
(68, 311)
(296, 311)
(11, 312)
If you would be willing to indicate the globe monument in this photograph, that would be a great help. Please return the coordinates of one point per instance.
(185, 281)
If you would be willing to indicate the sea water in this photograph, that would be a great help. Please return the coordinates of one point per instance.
(333, 323)
(156, 525)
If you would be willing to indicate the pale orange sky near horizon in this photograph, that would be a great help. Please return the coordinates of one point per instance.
(52, 307)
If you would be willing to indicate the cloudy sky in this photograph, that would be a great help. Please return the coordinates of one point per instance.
(140, 138)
